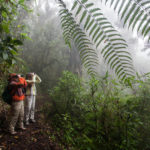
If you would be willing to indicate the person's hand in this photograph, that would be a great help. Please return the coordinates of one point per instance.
(19, 75)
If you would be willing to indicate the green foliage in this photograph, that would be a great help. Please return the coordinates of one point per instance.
(101, 113)
(10, 35)
(68, 89)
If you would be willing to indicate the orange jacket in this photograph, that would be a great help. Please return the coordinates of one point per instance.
(17, 89)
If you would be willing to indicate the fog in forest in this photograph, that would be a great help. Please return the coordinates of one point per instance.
(91, 87)
(48, 55)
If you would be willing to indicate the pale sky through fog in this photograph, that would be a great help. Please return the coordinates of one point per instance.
(135, 42)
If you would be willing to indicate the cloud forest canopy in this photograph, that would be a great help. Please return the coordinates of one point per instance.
(90, 30)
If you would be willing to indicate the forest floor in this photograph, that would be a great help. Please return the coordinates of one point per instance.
(37, 136)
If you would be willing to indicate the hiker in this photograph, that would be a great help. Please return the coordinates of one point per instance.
(16, 84)
(31, 79)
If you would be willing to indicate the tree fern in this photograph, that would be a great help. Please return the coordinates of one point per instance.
(101, 31)
(72, 31)
(133, 13)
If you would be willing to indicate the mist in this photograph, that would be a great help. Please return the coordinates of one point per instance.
(86, 78)
(48, 55)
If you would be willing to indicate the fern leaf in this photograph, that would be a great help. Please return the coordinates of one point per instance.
(133, 17)
(96, 32)
(121, 6)
(142, 22)
(84, 1)
(87, 21)
(112, 1)
(129, 14)
(125, 9)
(137, 19)
(116, 5)
(145, 27)
(90, 24)
(83, 16)
(89, 5)
(146, 32)
(78, 11)
(94, 10)
(98, 36)
(74, 6)
(93, 28)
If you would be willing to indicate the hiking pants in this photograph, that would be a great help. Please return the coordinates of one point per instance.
(17, 114)
(30, 107)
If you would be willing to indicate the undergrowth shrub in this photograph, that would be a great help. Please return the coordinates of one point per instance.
(101, 113)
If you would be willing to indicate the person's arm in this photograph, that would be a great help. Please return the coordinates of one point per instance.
(14, 83)
(30, 81)
(37, 79)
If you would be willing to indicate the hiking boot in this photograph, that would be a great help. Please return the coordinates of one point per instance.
(27, 123)
(32, 121)
(23, 128)
(13, 132)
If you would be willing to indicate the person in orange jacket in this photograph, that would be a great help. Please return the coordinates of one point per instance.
(17, 83)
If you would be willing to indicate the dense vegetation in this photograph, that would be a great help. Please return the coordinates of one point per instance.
(101, 113)
(89, 106)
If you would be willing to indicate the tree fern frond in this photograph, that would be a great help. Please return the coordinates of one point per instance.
(100, 32)
(110, 49)
(134, 13)
(72, 31)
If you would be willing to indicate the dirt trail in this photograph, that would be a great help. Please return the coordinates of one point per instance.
(37, 136)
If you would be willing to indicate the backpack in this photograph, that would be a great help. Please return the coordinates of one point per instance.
(6, 95)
